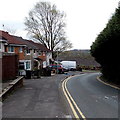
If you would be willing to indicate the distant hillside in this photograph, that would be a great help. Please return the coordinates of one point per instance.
(82, 57)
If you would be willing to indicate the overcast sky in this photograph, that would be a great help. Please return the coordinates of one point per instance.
(84, 18)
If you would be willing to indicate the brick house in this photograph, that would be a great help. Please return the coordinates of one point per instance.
(3, 42)
(8, 62)
(34, 53)
(30, 54)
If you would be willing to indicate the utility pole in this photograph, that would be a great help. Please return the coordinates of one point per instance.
(57, 62)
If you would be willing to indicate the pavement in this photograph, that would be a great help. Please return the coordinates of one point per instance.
(4, 86)
(38, 98)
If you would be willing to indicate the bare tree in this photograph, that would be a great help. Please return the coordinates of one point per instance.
(46, 24)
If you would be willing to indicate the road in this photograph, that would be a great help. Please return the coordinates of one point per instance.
(89, 98)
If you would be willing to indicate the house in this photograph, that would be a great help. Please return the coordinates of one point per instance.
(13, 46)
(36, 55)
(3, 42)
(31, 55)
(8, 61)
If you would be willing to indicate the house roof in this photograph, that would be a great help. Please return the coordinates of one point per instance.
(39, 46)
(11, 39)
(2, 39)
(26, 42)
(31, 45)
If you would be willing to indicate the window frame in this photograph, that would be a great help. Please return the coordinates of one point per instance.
(40, 53)
(28, 53)
(20, 49)
(10, 50)
(28, 68)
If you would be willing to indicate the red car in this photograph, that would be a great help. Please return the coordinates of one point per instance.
(57, 67)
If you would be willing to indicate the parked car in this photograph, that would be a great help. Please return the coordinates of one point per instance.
(57, 67)
(70, 65)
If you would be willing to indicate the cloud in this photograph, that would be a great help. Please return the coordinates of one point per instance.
(85, 18)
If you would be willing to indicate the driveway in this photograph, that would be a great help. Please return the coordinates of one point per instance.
(39, 98)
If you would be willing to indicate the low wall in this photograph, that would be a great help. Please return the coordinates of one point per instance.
(15, 84)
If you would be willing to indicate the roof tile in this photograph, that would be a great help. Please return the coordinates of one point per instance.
(11, 39)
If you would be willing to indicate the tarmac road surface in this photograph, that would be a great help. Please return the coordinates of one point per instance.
(93, 98)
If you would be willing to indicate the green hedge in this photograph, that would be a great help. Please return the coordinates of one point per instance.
(106, 49)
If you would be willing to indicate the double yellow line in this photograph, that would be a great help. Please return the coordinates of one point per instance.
(71, 101)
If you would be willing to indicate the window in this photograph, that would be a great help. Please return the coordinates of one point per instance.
(1, 48)
(39, 53)
(10, 49)
(28, 65)
(28, 51)
(20, 49)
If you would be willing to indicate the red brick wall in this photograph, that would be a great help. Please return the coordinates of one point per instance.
(21, 56)
(9, 66)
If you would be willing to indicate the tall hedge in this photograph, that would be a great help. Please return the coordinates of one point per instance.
(106, 49)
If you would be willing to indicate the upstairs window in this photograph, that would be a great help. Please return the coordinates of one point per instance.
(34, 51)
(28, 51)
(20, 50)
(10, 49)
(40, 53)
